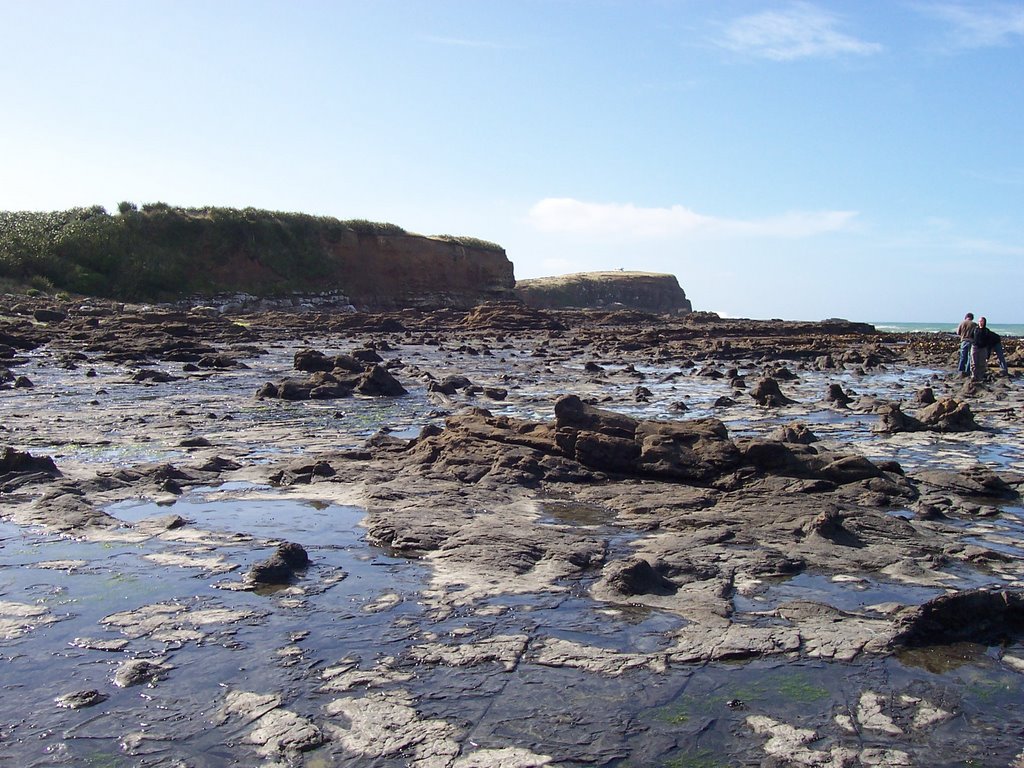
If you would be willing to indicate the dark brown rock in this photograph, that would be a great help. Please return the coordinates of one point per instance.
(378, 382)
(154, 376)
(636, 576)
(984, 616)
(571, 412)
(768, 393)
(18, 468)
(510, 316)
(795, 433)
(837, 395)
(280, 568)
(44, 315)
(948, 415)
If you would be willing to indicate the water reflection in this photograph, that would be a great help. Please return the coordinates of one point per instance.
(848, 593)
(939, 659)
(575, 513)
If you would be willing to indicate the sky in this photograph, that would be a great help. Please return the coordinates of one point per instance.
(861, 159)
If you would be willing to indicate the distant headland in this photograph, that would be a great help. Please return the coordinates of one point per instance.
(649, 291)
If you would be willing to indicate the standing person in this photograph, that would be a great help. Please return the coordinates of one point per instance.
(983, 341)
(965, 331)
(995, 344)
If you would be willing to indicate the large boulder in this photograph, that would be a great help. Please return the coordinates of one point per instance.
(977, 615)
(374, 381)
(698, 450)
(509, 316)
(18, 468)
(572, 413)
(377, 382)
(281, 567)
(977, 482)
(946, 415)
(585, 440)
(636, 576)
(767, 393)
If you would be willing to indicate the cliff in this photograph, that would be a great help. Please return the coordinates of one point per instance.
(649, 291)
(397, 271)
(165, 253)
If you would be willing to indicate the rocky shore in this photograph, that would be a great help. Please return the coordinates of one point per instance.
(751, 542)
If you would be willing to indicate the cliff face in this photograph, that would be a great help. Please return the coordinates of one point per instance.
(648, 291)
(381, 272)
(165, 253)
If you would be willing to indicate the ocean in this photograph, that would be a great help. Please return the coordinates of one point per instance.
(1005, 329)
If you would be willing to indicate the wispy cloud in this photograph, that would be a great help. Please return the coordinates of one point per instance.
(1007, 178)
(936, 235)
(459, 42)
(799, 31)
(981, 26)
(978, 245)
(576, 216)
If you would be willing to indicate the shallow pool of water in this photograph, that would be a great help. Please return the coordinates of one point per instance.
(848, 594)
(358, 607)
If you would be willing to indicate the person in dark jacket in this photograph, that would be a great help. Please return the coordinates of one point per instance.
(986, 341)
(996, 345)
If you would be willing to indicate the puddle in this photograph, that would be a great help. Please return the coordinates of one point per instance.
(238, 509)
(868, 711)
(575, 513)
(848, 594)
(940, 659)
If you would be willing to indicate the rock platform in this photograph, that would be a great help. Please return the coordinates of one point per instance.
(728, 486)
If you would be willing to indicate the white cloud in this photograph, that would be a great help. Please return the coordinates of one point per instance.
(610, 219)
(797, 32)
(982, 27)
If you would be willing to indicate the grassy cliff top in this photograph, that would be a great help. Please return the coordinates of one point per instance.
(158, 251)
(597, 277)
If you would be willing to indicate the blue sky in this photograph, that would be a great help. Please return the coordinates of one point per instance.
(803, 160)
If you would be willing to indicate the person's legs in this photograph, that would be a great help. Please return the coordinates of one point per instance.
(964, 365)
(1001, 358)
(978, 356)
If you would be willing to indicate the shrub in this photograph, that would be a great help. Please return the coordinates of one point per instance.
(364, 227)
(471, 242)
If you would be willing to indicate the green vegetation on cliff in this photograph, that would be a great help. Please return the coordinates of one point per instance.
(160, 252)
(646, 291)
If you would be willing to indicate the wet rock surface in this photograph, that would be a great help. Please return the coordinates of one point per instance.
(447, 577)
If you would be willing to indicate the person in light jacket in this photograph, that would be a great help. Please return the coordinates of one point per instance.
(965, 331)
